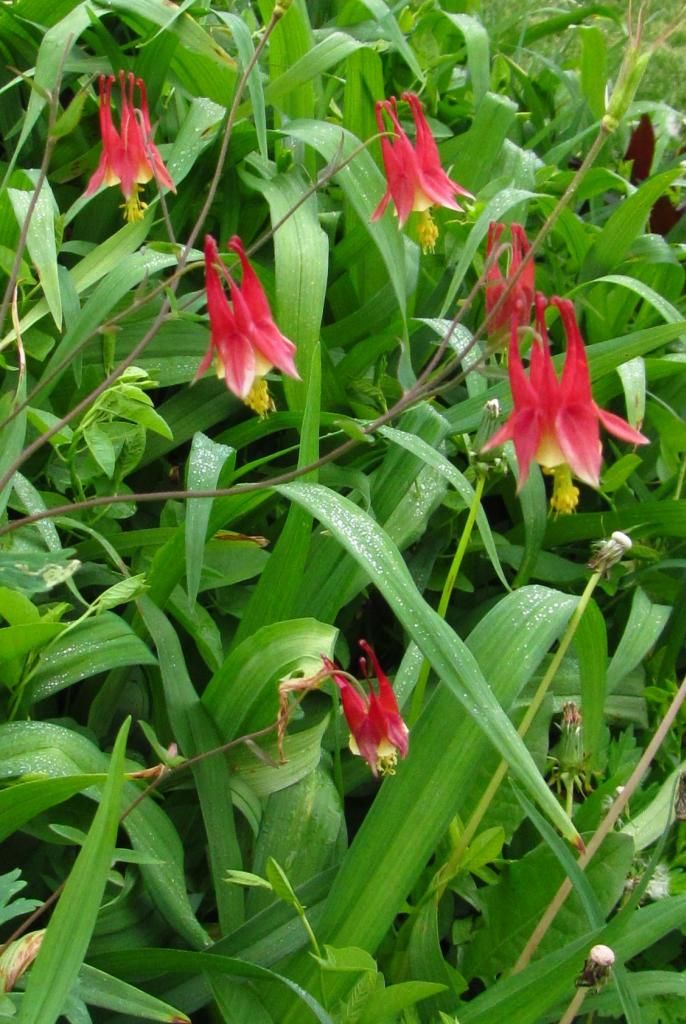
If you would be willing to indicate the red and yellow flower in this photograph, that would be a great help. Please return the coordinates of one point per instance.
(129, 157)
(415, 178)
(377, 730)
(520, 297)
(244, 340)
(555, 422)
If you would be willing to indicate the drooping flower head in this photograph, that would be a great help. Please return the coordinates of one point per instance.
(415, 178)
(555, 422)
(520, 299)
(377, 730)
(244, 339)
(129, 156)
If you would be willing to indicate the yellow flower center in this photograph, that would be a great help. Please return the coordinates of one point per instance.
(427, 232)
(565, 497)
(258, 398)
(386, 763)
(134, 208)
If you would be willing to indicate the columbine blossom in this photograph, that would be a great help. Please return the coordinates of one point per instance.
(415, 178)
(520, 299)
(377, 730)
(129, 156)
(244, 339)
(555, 422)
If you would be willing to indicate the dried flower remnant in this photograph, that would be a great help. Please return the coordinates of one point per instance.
(18, 957)
(597, 967)
(518, 302)
(244, 340)
(609, 552)
(129, 157)
(680, 800)
(555, 422)
(415, 179)
(377, 730)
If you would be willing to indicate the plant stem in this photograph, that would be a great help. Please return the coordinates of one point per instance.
(531, 712)
(446, 594)
(573, 1009)
(605, 827)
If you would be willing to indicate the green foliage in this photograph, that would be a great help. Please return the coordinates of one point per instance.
(166, 657)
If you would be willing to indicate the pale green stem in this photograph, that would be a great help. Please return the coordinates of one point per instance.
(569, 800)
(472, 825)
(680, 480)
(448, 587)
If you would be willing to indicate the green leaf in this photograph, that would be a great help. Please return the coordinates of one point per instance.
(51, 750)
(40, 242)
(279, 882)
(625, 224)
(33, 572)
(653, 820)
(590, 644)
(363, 185)
(593, 68)
(101, 448)
(478, 60)
(302, 753)
(246, 53)
(386, 22)
(242, 696)
(58, 962)
(439, 462)
(96, 645)
(513, 906)
(387, 1002)
(303, 829)
(644, 625)
(197, 733)
(100, 989)
(17, 641)
(155, 962)
(205, 463)
(334, 48)
(12, 435)
(11, 884)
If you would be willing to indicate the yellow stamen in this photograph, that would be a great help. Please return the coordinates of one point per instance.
(259, 399)
(134, 208)
(427, 232)
(565, 497)
(386, 763)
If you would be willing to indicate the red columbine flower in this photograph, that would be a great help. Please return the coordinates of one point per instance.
(415, 179)
(556, 422)
(521, 297)
(377, 730)
(129, 156)
(244, 337)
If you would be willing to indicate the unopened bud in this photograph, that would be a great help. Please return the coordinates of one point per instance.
(571, 745)
(488, 425)
(629, 78)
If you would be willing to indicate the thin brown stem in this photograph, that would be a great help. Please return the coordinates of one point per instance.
(603, 830)
(32, 918)
(575, 1005)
